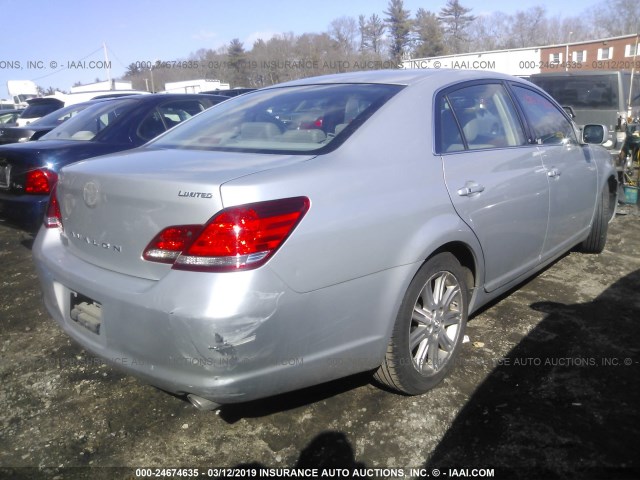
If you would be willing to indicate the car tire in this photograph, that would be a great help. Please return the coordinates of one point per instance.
(597, 238)
(429, 328)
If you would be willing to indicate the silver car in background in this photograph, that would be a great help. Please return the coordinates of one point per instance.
(320, 228)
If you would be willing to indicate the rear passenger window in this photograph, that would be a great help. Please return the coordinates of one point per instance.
(449, 136)
(550, 126)
(484, 114)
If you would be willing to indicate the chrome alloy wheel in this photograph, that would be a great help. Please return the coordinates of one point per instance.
(429, 328)
(436, 323)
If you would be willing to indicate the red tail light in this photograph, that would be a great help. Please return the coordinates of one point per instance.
(171, 242)
(237, 238)
(53, 217)
(317, 123)
(40, 182)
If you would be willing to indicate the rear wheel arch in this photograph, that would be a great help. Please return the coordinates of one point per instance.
(398, 370)
(468, 261)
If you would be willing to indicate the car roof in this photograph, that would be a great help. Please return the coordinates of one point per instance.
(160, 97)
(580, 73)
(399, 77)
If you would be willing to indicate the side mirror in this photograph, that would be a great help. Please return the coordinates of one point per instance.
(595, 134)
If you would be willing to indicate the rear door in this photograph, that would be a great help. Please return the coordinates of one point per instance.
(571, 171)
(495, 178)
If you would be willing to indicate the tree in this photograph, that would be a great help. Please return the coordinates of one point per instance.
(371, 33)
(399, 22)
(613, 18)
(49, 91)
(455, 18)
(528, 28)
(132, 71)
(564, 30)
(344, 31)
(489, 32)
(429, 36)
(237, 62)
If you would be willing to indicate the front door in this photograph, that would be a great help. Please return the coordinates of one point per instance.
(567, 164)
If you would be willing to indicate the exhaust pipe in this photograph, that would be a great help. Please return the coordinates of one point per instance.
(202, 403)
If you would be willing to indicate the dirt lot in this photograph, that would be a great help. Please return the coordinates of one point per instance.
(547, 387)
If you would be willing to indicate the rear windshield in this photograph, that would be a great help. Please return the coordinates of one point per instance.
(90, 121)
(57, 117)
(304, 119)
(40, 109)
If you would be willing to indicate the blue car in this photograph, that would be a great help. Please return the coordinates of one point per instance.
(29, 170)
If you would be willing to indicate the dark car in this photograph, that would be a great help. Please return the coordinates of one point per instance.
(604, 97)
(29, 170)
(43, 125)
(39, 107)
(234, 92)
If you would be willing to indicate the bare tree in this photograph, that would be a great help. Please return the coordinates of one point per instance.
(344, 31)
(489, 32)
(613, 18)
(565, 30)
(528, 28)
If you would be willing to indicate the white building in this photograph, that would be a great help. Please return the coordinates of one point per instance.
(195, 86)
(521, 62)
(102, 86)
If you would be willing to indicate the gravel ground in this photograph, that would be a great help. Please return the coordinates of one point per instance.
(547, 387)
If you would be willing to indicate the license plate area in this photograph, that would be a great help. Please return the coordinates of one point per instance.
(86, 312)
(5, 173)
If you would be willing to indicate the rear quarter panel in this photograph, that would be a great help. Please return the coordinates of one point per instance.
(377, 202)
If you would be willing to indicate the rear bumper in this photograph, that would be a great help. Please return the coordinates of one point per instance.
(226, 337)
(26, 211)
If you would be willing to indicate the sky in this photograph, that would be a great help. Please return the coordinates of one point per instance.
(45, 40)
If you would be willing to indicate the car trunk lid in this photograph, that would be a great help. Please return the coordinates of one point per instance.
(113, 207)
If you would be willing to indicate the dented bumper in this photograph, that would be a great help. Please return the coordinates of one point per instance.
(228, 337)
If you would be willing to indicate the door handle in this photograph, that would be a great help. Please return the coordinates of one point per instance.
(554, 172)
(470, 188)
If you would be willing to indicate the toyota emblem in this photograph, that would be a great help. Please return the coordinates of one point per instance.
(90, 194)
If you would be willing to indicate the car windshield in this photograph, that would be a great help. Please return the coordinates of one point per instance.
(92, 120)
(300, 119)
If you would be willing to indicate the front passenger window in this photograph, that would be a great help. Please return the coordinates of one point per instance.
(550, 126)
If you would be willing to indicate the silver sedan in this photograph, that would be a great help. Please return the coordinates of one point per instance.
(320, 228)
